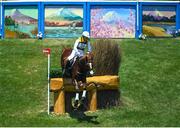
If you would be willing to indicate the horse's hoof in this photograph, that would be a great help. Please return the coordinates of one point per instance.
(75, 103)
(83, 98)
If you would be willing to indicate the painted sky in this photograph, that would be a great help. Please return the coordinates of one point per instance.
(112, 14)
(161, 11)
(31, 11)
(53, 10)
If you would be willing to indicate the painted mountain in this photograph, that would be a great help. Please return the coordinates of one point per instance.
(112, 17)
(64, 14)
(18, 17)
(158, 16)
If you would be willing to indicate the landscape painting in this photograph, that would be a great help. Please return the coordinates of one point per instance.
(21, 22)
(159, 21)
(112, 22)
(63, 21)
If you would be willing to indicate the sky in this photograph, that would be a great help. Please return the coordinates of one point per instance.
(162, 11)
(115, 13)
(49, 11)
(31, 11)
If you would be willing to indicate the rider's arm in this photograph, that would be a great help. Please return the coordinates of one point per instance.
(75, 45)
(89, 47)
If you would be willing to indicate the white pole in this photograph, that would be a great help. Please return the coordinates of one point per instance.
(1, 15)
(47, 51)
(48, 83)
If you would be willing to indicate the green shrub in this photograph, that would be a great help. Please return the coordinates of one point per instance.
(56, 73)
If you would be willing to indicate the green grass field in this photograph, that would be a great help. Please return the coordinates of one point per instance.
(150, 85)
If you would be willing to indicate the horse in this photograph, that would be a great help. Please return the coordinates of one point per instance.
(78, 72)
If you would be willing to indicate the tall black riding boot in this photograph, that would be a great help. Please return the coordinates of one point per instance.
(67, 64)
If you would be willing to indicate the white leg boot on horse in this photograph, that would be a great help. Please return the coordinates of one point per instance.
(83, 95)
(84, 92)
(77, 96)
(75, 102)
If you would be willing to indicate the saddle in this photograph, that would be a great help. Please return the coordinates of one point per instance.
(71, 63)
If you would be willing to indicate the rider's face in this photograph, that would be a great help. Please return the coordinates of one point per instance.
(85, 38)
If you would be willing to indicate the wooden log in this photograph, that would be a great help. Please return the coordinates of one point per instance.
(106, 82)
(60, 86)
(59, 102)
(93, 100)
(56, 84)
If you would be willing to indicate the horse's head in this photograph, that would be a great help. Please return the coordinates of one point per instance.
(89, 62)
(86, 63)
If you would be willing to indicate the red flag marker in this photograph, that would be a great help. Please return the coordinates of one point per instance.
(47, 51)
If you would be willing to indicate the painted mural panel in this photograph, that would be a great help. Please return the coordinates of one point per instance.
(113, 22)
(21, 21)
(159, 21)
(63, 21)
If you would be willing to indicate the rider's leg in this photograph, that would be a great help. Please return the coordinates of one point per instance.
(72, 55)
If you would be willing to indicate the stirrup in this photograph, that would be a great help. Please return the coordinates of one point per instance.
(63, 72)
(67, 64)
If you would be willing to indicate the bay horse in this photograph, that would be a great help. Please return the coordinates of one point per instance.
(78, 72)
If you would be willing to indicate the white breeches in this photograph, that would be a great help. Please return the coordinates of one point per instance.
(79, 53)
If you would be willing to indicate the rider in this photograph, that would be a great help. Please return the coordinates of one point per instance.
(78, 51)
(79, 47)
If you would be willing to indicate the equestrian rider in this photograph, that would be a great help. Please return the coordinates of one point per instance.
(79, 47)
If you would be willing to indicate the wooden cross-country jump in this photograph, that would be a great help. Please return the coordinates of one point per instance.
(95, 83)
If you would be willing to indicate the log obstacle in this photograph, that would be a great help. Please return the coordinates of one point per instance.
(61, 87)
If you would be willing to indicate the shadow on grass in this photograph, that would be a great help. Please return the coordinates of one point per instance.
(81, 117)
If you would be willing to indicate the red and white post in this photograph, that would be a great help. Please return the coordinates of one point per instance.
(47, 51)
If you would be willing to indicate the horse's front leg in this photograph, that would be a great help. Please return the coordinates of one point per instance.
(83, 84)
(77, 89)
(84, 88)
(76, 85)
(84, 91)
(76, 102)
